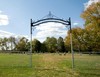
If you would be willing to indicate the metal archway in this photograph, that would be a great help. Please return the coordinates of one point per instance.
(50, 18)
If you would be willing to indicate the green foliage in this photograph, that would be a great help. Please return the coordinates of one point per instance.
(87, 39)
(36, 45)
(21, 45)
(60, 44)
(92, 27)
(12, 42)
(43, 47)
(51, 44)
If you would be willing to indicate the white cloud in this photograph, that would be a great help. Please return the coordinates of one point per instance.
(9, 34)
(75, 24)
(5, 34)
(50, 30)
(3, 19)
(87, 4)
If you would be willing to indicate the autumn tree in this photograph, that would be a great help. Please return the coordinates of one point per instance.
(92, 15)
(78, 40)
(92, 26)
(88, 38)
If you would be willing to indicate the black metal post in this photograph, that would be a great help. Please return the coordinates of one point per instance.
(71, 44)
(31, 43)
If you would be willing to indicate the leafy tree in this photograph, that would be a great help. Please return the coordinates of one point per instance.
(51, 44)
(88, 38)
(28, 46)
(67, 41)
(5, 44)
(60, 44)
(77, 39)
(36, 45)
(92, 15)
(92, 37)
(21, 45)
(1, 44)
(92, 27)
(43, 47)
(12, 43)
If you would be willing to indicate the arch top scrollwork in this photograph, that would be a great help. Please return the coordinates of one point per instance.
(50, 18)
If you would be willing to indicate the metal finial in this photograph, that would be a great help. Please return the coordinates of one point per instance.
(50, 14)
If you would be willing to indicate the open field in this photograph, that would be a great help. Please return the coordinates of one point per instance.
(49, 65)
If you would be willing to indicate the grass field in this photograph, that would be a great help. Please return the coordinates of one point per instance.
(49, 65)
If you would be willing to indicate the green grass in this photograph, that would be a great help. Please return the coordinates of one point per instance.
(49, 65)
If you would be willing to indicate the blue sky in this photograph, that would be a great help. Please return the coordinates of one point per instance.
(19, 12)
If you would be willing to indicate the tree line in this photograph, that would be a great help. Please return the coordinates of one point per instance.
(51, 44)
(85, 39)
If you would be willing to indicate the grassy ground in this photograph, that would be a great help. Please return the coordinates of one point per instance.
(49, 65)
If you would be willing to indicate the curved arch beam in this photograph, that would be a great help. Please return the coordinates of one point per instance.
(50, 20)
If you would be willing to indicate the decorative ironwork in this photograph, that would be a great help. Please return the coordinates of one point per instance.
(51, 18)
(50, 15)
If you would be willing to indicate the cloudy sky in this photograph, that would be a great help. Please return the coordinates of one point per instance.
(15, 16)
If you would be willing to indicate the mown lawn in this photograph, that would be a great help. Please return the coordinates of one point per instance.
(49, 65)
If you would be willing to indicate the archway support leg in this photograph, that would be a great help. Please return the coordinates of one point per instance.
(31, 44)
(71, 44)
